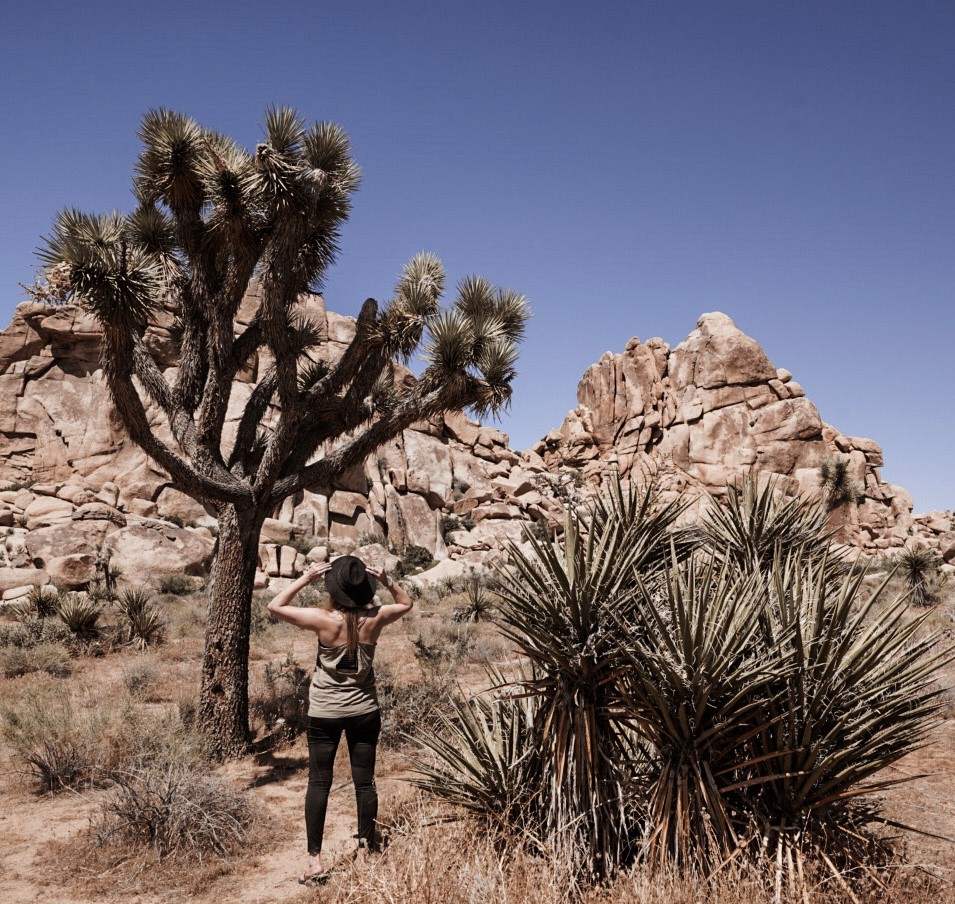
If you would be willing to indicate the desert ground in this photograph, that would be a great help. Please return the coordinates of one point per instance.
(50, 841)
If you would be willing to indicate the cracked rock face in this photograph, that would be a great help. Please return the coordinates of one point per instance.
(698, 414)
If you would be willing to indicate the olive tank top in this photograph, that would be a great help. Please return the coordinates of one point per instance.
(342, 685)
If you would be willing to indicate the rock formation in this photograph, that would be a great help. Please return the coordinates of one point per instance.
(77, 485)
(710, 409)
(698, 414)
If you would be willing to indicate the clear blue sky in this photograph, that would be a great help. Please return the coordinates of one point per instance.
(626, 165)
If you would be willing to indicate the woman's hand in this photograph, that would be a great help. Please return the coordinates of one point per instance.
(379, 575)
(314, 572)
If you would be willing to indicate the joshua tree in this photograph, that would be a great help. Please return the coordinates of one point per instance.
(212, 217)
(837, 488)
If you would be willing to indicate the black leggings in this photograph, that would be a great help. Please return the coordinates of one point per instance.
(361, 733)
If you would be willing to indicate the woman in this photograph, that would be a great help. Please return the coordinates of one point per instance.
(342, 695)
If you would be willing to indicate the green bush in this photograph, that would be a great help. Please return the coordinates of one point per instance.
(413, 559)
(175, 584)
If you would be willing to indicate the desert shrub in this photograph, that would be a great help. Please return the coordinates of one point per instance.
(754, 522)
(142, 620)
(71, 739)
(452, 523)
(479, 602)
(697, 710)
(43, 601)
(47, 742)
(371, 538)
(139, 677)
(838, 488)
(174, 808)
(413, 559)
(20, 484)
(919, 567)
(487, 758)
(440, 648)
(410, 707)
(282, 704)
(52, 658)
(80, 614)
(31, 631)
(175, 584)
(262, 618)
(303, 545)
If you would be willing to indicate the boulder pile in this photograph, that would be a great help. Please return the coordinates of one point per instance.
(74, 488)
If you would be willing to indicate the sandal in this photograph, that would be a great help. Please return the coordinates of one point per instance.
(313, 878)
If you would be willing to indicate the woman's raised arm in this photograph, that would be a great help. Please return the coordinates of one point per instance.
(402, 604)
(281, 604)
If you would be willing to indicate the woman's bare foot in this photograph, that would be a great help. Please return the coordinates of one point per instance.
(315, 871)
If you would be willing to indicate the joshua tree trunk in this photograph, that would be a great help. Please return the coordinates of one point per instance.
(224, 692)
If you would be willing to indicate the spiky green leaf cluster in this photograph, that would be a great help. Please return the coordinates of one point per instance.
(706, 696)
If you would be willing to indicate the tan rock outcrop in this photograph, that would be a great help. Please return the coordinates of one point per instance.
(699, 414)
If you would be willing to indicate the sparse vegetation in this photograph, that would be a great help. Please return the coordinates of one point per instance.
(281, 706)
(175, 584)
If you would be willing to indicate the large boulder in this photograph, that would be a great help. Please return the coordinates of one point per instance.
(155, 547)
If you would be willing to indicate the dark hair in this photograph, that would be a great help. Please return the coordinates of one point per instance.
(353, 620)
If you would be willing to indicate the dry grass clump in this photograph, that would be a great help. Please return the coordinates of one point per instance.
(66, 737)
(455, 861)
(174, 808)
(52, 658)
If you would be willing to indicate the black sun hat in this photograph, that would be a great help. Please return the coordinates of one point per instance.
(349, 583)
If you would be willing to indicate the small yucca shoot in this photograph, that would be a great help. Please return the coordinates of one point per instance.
(79, 613)
(145, 622)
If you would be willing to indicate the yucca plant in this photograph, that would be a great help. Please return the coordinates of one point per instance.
(144, 621)
(480, 601)
(918, 566)
(697, 683)
(855, 692)
(42, 601)
(79, 613)
(485, 756)
(559, 605)
(757, 520)
(837, 487)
